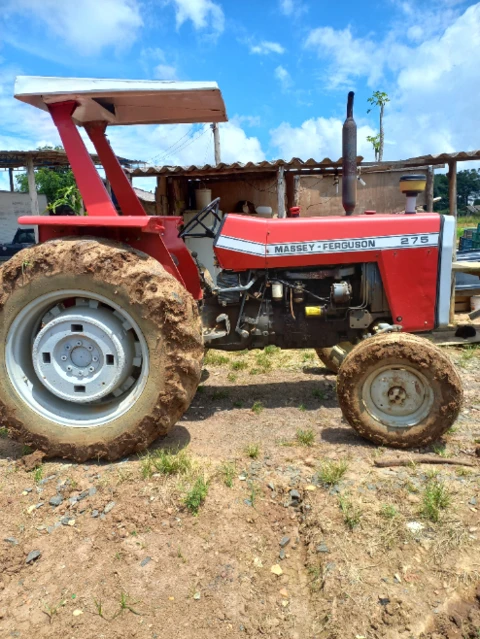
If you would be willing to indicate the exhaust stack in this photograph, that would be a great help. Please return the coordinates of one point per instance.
(349, 159)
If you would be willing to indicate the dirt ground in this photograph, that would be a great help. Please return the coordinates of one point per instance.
(298, 534)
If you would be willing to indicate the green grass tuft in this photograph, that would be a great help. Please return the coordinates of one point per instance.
(257, 408)
(165, 462)
(252, 451)
(228, 472)
(196, 495)
(351, 514)
(331, 472)
(436, 498)
(305, 437)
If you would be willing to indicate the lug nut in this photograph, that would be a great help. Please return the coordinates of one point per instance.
(90, 348)
(79, 343)
(69, 368)
(95, 359)
(63, 358)
(91, 369)
(67, 347)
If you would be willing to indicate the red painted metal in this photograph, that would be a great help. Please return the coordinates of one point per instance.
(89, 220)
(409, 274)
(177, 247)
(94, 194)
(124, 192)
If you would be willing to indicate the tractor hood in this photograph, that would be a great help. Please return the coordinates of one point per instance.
(126, 101)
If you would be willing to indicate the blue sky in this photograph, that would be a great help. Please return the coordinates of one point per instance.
(284, 66)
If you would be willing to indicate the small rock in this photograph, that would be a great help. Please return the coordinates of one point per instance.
(11, 540)
(47, 479)
(33, 555)
(310, 487)
(284, 593)
(281, 554)
(322, 548)
(108, 507)
(309, 462)
(92, 491)
(27, 490)
(77, 612)
(67, 521)
(276, 569)
(472, 501)
(30, 509)
(83, 494)
(73, 500)
(397, 579)
(145, 561)
(294, 494)
(284, 541)
(414, 526)
(271, 485)
(383, 601)
(196, 596)
(56, 500)
(95, 513)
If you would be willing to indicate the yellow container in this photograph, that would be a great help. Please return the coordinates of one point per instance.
(413, 183)
(313, 311)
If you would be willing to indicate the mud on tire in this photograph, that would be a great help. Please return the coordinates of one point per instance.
(399, 390)
(165, 313)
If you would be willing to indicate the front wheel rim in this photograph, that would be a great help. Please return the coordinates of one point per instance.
(398, 396)
(76, 358)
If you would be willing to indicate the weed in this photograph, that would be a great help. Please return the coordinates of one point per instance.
(440, 450)
(263, 360)
(3, 433)
(331, 472)
(317, 578)
(127, 604)
(305, 437)
(196, 495)
(436, 498)
(26, 450)
(387, 511)
(351, 514)
(165, 462)
(123, 475)
(302, 407)
(181, 556)
(271, 349)
(252, 451)
(220, 394)
(463, 472)
(253, 493)
(201, 390)
(51, 611)
(239, 365)
(37, 474)
(308, 356)
(452, 430)
(255, 371)
(228, 471)
(468, 353)
(257, 408)
(232, 377)
(238, 404)
(214, 359)
(318, 393)
(241, 353)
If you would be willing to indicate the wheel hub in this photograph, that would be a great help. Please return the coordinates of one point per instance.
(84, 353)
(397, 396)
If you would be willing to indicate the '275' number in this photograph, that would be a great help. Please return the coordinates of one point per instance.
(414, 239)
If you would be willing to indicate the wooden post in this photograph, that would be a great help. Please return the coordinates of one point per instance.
(32, 189)
(281, 191)
(429, 190)
(452, 184)
(216, 142)
(289, 181)
(296, 190)
(10, 175)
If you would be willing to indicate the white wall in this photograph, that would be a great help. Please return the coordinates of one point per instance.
(12, 206)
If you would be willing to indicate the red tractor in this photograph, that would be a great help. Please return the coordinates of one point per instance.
(103, 324)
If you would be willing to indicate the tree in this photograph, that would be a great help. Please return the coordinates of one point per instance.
(468, 190)
(52, 183)
(378, 99)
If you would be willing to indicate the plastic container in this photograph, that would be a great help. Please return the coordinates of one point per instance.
(203, 197)
(475, 303)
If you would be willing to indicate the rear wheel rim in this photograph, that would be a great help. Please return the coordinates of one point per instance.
(77, 358)
(399, 396)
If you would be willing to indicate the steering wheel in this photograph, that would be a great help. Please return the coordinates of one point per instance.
(199, 220)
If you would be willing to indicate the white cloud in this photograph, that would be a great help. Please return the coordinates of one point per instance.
(165, 72)
(204, 14)
(265, 47)
(87, 26)
(292, 7)
(284, 77)
(316, 138)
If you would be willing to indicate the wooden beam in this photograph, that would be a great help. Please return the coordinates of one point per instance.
(452, 194)
(467, 267)
(281, 191)
(216, 142)
(296, 190)
(289, 182)
(429, 189)
(32, 188)
(10, 175)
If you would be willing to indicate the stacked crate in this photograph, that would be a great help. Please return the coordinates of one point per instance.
(470, 239)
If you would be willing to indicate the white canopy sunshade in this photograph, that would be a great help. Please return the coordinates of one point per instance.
(127, 101)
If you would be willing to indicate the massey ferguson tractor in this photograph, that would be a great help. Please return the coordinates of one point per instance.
(103, 324)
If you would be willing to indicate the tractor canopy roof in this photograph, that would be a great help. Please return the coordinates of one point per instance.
(126, 101)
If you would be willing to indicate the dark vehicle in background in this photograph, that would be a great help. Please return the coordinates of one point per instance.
(23, 238)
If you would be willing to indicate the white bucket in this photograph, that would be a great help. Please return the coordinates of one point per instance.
(475, 302)
(203, 197)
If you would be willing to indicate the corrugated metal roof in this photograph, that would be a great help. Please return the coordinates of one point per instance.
(46, 158)
(298, 164)
(254, 167)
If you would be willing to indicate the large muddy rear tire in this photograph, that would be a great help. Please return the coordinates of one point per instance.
(399, 390)
(101, 349)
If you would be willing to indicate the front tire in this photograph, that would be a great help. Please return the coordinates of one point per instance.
(399, 390)
(101, 349)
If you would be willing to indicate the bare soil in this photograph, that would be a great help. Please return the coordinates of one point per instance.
(357, 555)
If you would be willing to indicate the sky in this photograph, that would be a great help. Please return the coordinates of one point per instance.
(284, 67)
